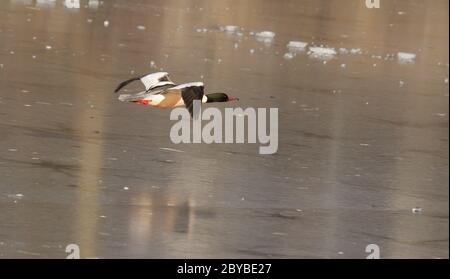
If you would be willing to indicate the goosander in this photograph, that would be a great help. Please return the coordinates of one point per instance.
(161, 92)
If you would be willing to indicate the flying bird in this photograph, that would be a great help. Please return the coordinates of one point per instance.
(161, 92)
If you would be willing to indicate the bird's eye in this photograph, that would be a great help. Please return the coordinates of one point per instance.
(164, 79)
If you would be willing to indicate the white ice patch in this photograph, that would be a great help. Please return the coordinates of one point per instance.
(406, 58)
(141, 27)
(93, 4)
(72, 4)
(323, 53)
(343, 50)
(265, 36)
(355, 51)
(106, 23)
(45, 3)
(295, 46)
(229, 28)
(288, 56)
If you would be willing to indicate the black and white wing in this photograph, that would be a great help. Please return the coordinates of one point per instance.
(150, 81)
(153, 84)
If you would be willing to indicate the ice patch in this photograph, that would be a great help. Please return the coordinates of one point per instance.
(141, 27)
(72, 4)
(265, 36)
(294, 46)
(343, 50)
(323, 53)
(106, 23)
(45, 3)
(406, 58)
(288, 56)
(93, 4)
(355, 51)
(229, 28)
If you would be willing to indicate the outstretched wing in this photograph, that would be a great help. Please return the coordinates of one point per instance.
(150, 81)
(191, 92)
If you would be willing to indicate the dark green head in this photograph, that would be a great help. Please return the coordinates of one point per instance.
(220, 98)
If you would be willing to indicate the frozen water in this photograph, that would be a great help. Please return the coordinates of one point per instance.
(230, 28)
(288, 56)
(355, 51)
(324, 53)
(343, 50)
(265, 36)
(72, 4)
(406, 58)
(296, 46)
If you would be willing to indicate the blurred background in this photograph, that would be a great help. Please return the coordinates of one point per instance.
(363, 131)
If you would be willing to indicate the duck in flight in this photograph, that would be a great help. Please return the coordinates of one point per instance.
(161, 92)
